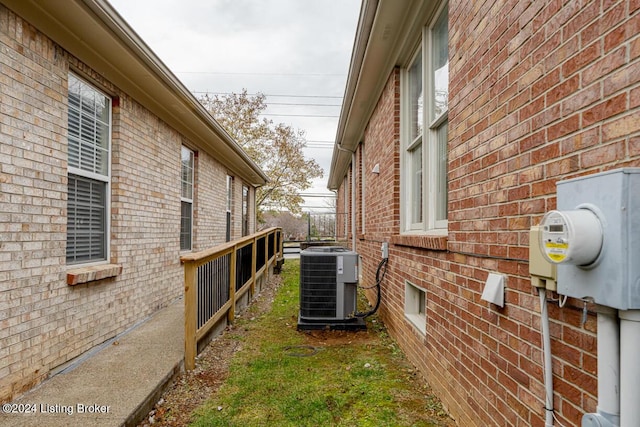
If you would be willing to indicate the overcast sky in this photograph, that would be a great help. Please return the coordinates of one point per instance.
(298, 48)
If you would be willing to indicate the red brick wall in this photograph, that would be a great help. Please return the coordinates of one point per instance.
(539, 92)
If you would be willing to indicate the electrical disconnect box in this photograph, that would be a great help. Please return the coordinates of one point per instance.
(594, 238)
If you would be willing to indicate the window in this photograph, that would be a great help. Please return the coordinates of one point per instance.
(89, 136)
(186, 199)
(415, 303)
(229, 193)
(229, 205)
(425, 93)
(245, 210)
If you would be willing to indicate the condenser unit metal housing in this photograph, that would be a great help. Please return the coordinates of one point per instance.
(328, 289)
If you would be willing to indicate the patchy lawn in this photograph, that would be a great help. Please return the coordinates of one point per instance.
(263, 372)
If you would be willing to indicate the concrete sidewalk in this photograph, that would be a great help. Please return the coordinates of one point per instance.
(116, 386)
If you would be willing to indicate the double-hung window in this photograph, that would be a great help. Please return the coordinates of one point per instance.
(186, 199)
(245, 210)
(425, 93)
(89, 175)
(229, 205)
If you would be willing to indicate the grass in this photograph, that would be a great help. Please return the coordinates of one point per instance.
(283, 377)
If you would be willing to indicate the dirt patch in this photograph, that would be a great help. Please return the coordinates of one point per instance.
(336, 337)
(192, 389)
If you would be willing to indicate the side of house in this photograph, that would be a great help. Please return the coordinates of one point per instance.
(109, 171)
(458, 121)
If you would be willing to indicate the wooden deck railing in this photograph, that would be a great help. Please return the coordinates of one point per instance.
(215, 279)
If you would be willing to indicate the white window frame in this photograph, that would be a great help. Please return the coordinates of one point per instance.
(184, 198)
(427, 139)
(246, 194)
(229, 193)
(229, 211)
(415, 306)
(93, 175)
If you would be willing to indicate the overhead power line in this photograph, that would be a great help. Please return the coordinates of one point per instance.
(235, 73)
(300, 115)
(321, 195)
(307, 105)
(268, 94)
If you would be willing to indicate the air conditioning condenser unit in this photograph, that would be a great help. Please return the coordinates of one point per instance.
(328, 289)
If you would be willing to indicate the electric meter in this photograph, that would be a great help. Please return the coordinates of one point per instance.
(571, 237)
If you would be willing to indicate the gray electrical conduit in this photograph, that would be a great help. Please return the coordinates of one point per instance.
(547, 365)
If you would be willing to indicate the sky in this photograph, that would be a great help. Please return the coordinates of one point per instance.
(296, 52)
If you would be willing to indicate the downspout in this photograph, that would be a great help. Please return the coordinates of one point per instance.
(609, 365)
(353, 202)
(609, 409)
(335, 228)
(629, 367)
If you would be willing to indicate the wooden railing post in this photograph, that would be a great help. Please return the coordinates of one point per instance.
(266, 253)
(190, 315)
(231, 315)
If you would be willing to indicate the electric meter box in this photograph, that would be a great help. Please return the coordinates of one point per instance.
(613, 278)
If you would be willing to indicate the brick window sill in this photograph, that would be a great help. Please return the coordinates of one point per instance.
(78, 276)
(435, 243)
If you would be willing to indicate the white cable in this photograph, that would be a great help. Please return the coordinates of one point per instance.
(562, 301)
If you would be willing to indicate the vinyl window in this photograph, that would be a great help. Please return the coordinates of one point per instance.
(415, 306)
(425, 93)
(245, 210)
(89, 175)
(186, 199)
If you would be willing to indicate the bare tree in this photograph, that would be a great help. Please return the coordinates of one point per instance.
(276, 148)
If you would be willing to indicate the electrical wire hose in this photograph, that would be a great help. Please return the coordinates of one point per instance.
(380, 273)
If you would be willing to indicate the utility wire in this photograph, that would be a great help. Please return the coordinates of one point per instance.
(266, 94)
(300, 115)
(235, 73)
(307, 105)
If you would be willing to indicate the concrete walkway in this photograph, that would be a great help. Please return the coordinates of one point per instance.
(116, 386)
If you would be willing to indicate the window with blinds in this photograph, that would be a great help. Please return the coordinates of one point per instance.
(89, 134)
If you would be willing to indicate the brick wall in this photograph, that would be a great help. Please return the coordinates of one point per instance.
(44, 322)
(342, 219)
(211, 208)
(381, 147)
(539, 92)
